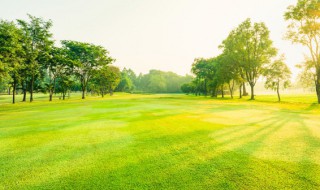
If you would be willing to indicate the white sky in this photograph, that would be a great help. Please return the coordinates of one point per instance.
(156, 34)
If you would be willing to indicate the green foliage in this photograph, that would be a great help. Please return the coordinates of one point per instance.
(106, 79)
(304, 28)
(86, 59)
(253, 49)
(162, 82)
(277, 75)
(188, 88)
(126, 83)
(37, 42)
(11, 54)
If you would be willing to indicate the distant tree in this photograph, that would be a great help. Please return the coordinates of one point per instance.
(199, 69)
(308, 76)
(64, 84)
(188, 88)
(106, 79)
(58, 66)
(86, 58)
(277, 75)
(304, 28)
(37, 43)
(126, 83)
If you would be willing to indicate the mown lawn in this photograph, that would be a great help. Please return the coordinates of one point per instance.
(160, 142)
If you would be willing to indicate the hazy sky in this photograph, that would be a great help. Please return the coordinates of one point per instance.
(156, 34)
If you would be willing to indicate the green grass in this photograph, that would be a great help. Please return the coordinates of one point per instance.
(160, 142)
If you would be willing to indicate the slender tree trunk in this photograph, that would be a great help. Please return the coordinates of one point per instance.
(205, 87)
(14, 86)
(318, 85)
(9, 90)
(83, 86)
(52, 89)
(63, 95)
(231, 88)
(31, 88)
(240, 91)
(24, 91)
(278, 93)
(252, 91)
(222, 92)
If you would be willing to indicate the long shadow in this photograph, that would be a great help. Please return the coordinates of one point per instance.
(151, 160)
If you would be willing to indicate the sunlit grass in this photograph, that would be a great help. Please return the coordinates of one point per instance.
(160, 142)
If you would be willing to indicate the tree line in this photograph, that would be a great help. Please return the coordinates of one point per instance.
(31, 62)
(248, 53)
(155, 81)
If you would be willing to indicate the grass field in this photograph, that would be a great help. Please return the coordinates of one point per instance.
(160, 142)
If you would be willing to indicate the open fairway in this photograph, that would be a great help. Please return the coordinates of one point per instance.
(160, 142)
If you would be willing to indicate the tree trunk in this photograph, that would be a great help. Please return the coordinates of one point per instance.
(50, 96)
(240, 90)
(318, 85)
(24, 95)
(63, 95)
(245, 93)
(252, 91)
(52, 89)
(205, 87)
(9, 90)
(14, 86)
(278, 94)
(24, 91)
(231, 88)
(31, 88)
(222, 92)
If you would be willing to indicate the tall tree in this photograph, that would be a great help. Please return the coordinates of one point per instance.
(256, 50)
(11, 53)
(86, 58)
(37, 43)
(304, 28)
(277, 75)
(253, 49)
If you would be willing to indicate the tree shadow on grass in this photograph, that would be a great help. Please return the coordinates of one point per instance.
(196, 160)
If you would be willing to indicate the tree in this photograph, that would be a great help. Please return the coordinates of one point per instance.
(233, 57)
(277, 75)
(253, 50)
(106, 79)
(58, 65)
(308, 76)
(304, 28)
(188, 88)
(37, 43)
(126, 83)
(86, 58)
(11, 53)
